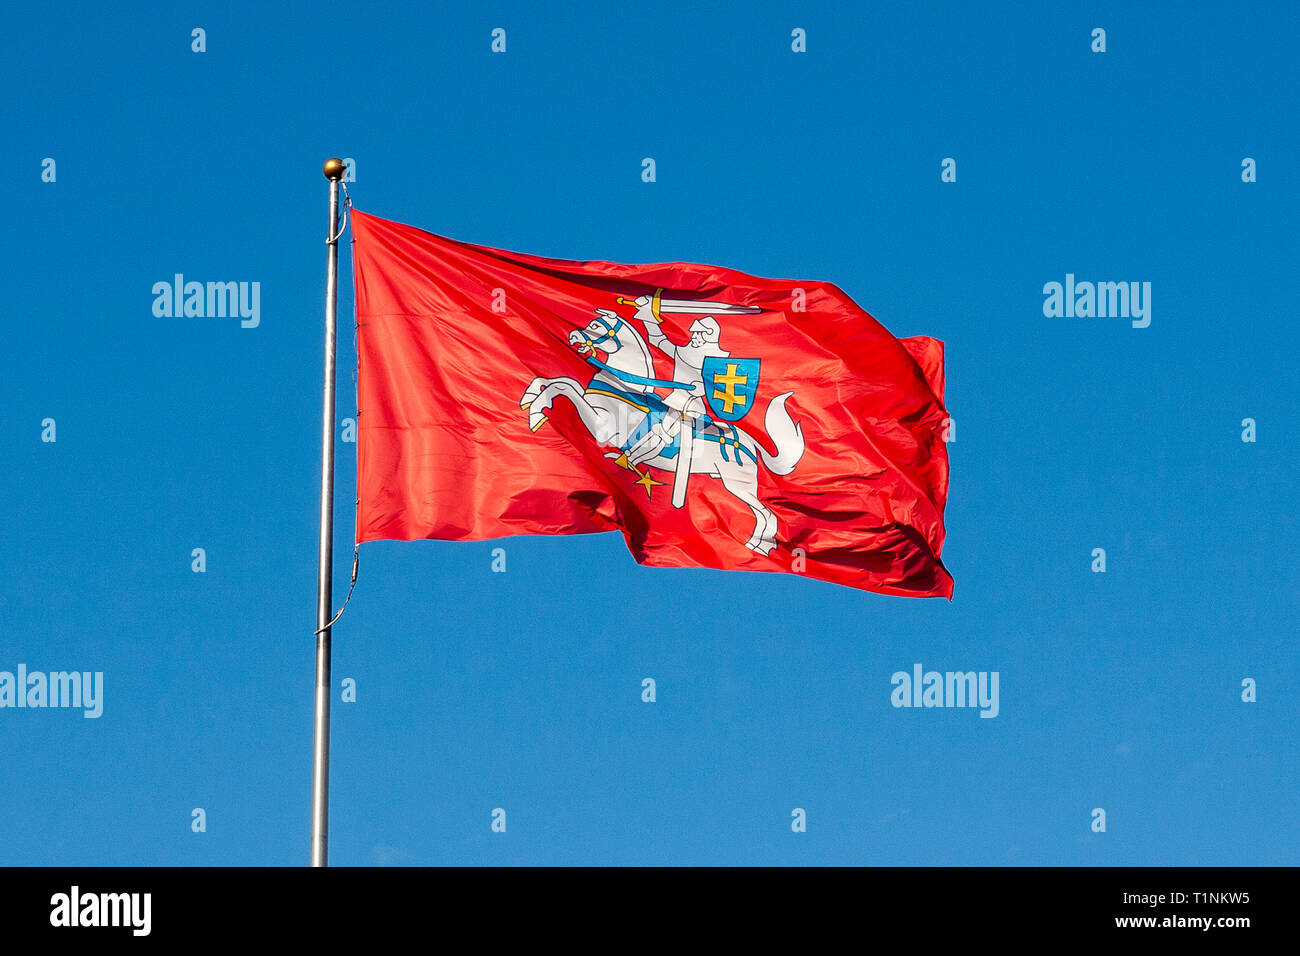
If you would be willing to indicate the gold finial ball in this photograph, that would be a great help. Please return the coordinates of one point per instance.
(334, 168)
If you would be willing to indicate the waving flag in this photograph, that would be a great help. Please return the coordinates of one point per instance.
(714, 418)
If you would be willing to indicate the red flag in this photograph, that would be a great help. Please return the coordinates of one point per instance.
(714, 418)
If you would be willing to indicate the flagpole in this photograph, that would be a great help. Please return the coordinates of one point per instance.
(320, 775)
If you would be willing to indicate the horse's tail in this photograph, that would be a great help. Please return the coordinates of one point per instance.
(787, 434)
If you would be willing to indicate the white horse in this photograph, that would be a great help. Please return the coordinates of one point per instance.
(619, 405)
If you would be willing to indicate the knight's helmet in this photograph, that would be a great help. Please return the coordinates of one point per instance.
(708, 327)
(708, 330)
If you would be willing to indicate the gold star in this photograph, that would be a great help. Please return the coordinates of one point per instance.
(646, 481)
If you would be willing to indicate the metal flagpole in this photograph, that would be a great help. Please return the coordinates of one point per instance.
(320, 774)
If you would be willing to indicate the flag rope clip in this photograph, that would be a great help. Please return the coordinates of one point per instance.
(347, 205)
(356, 554)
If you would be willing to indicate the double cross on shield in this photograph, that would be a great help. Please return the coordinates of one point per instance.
(730, 385)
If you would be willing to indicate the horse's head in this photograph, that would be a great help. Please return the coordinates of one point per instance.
(606, 332)
(625, 350)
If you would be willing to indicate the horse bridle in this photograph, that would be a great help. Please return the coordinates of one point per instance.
(609, 336)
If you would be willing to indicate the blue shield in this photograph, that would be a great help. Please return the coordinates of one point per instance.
(730, 385)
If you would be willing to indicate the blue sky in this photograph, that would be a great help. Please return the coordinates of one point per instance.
(522, 690)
